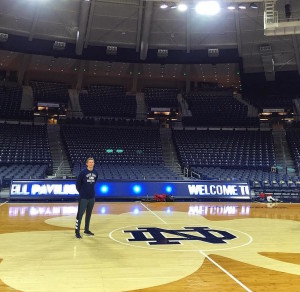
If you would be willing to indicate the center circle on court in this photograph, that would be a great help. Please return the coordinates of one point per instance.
(163, 236)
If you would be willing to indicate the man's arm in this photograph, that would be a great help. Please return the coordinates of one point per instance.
(79, 182)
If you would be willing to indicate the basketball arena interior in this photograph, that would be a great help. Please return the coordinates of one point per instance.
(191, 112)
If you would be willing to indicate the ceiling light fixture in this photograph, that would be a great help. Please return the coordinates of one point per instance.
(208, 8)
(164, 6)
(253, 5)
(182, 7)
(231, 7)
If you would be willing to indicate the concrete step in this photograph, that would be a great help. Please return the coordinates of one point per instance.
(60, 162)
(169, 152)
(282, 152)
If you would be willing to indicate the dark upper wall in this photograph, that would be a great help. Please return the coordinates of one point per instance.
(286, 83)
(45, 47)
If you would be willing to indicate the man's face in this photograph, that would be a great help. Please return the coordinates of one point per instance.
(90, 164)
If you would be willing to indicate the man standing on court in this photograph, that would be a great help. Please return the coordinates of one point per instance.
(85, 186)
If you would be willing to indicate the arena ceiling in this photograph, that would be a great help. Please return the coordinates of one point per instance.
(142, 26)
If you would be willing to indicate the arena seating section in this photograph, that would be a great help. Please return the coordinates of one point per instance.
(230, 149)
(110, 122)
(268, 101)
(234, 155)
(112, 101)
(130, 172)
(161, 98)
(258, 179)
(129, 149)
(217, 108)
(50, 92)
(10, 103)
(21, 171)
(24, 151)
(122, 152)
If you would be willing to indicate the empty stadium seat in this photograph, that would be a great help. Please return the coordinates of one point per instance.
(52, 92)
(10, 104)
(210, 110)
(127, 153)
(24, 152)
(103, 100)
(230, 149)
(161, 98)
(258, 179)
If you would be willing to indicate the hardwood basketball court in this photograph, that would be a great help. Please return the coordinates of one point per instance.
(192, 246)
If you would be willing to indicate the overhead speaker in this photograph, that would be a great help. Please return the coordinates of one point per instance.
(213, 52)
(59, 46)
(162, 53)
(3, 37)
(111, 50)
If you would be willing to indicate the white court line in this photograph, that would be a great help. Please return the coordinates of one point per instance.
(154, 213)
(226, 272)
(209, 258)
(3, 203)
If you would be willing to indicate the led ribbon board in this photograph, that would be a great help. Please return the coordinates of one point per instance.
(51, 189)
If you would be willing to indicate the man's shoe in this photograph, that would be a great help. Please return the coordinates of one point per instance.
(89, 233)
(77, 235)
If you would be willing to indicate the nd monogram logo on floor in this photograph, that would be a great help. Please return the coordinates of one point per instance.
(164, 236)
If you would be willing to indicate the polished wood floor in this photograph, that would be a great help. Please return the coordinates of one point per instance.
(151, 247)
